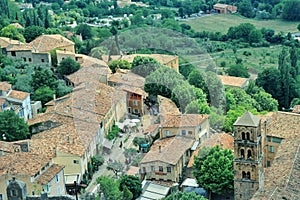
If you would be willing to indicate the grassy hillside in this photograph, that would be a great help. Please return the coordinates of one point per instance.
(222, 22)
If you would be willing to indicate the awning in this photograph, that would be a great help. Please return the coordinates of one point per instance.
(195, 145)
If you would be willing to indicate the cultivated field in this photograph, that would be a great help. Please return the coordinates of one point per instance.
(221, 23)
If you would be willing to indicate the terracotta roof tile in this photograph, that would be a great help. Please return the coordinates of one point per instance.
(20, 47)
(224, 140)
(296, 109)
(49, 174)
(151, 128)
(5, 42)
(183, 120)
(18, 94)
(233, 81)
(168, 150)
(167, 106)
(129, 79)
(161, 58)
(133, 171)
(8, 147)
(46, 43)
(22, 163)
(5, 86)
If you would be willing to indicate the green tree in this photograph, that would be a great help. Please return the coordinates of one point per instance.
(197, 107)
(290, 10)
(215, 172)
(43, 78)
(62, 89)
(127, 195)
(238, 70)
(109, 188)
(216, 91)
(68, 66)
(269, 79)
(197, 79)
(23, 83)
(32, 32)
(12, 32)
(144, 66)
(216, 118)
(255, 36)
(119, 64)
(137, 141)
(43, 94)
(133, 183)
(184, 196)
(12, 127)
(85, 31)
(245, 8)
(265, 102)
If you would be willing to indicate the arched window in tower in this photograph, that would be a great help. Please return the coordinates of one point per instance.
(244, 174)
(248, 175)
(249, 154)
(243, 136)
(242, 153)
(248, 135)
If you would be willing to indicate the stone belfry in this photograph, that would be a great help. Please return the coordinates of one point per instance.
(248, 156)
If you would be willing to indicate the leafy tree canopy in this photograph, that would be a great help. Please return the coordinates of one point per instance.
(12, 32)
(133, 183)
(238, 70)
(215, 172)
(32, 32)
(43, 94)
(12, 127)
(184, 196)
(144, 66)
(119, 64)
(290, 10)
(68, 66)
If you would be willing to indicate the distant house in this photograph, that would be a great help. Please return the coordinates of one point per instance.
(166, 159)
(5, 43)
(195, 126)
(17, 25)
(170, 61)
(224, 8)
(233, 81)
(39, 173)
(15, 100)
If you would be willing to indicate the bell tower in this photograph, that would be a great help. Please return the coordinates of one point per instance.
(248, 156)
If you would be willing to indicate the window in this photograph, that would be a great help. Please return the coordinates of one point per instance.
(14, 193)
(46, 188)
(249, 154)
(271, 149)
(167, 133)
(58, 190)
(152, 168)
(75, 161)
(248, 175)
(243, 174)
(268, 163)
(269, 138)
(13, 53)
(57, 178)
(190, 132)
(43, 60)
(1, 197)
(29, 59)
(169, 169)
(243, 136)
(248, 135)
(242, 153)
(24, 59)
(135, 103)
(276, 140)
(144, 169)
(183, 132)
(160, 168)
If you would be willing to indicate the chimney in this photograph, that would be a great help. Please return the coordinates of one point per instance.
(54, 96)
(159, 147)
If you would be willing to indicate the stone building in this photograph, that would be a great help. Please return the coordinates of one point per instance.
(248, 156)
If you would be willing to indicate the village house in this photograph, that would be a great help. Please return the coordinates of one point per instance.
(166, 159)
(39, 173)
(133, 85)
(224, 140)
(74, 126)
(170, 61)
(281, 179)
(224, 8)
(15, 100)
(195, 126)
(6, 43)
(232, 81)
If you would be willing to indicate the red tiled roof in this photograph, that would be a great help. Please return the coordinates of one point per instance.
(129, 79)
(5, 86)
(18, 94)
(168, 150)
(49, 174)
(233, 81)
(184, 120)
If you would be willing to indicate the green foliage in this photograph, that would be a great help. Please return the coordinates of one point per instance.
(290, 10)
(113, 133)
(216, 118)
(265, 102)
(13, 127)
(244, 32)
(110, 188)
(197, 79)
(115, 166)
(119, 64)
(12, 32)
(214, 172)
(43, 94)
(32, 32)
(137, 141)
(133, 183)
(238, 97)
(144, 66)
(245, 8)
(197, 107)
(185, 68)
(97, 161)
(184, 196)
(127, 195)
(216, 91)
(62, 89)
(68, 66)
(238, 70)
(23, 83)
(85, 31)
(130, 153)
(43, 77)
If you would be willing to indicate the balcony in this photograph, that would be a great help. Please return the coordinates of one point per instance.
(160, 173)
